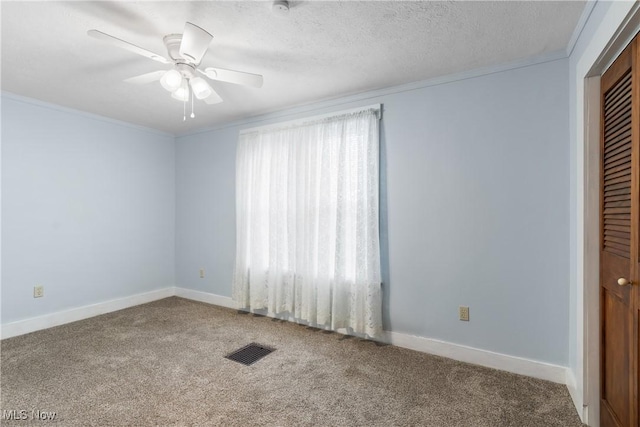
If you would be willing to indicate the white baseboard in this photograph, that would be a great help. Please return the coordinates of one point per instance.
(46, 321)
(476, 356)
(205, 297)
(518, 365)
(576, 396)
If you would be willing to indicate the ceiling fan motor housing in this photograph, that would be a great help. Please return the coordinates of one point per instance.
(184, 67)
(172, 42)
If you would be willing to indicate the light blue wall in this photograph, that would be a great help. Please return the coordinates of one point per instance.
(582, 44)
(474, 211)
(205, 211)
(88, 209)
(475, 188)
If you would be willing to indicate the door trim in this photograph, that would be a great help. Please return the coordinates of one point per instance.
(591, 211)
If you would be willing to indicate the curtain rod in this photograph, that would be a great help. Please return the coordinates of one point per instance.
(377, 107)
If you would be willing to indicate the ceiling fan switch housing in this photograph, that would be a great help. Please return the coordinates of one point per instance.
(186, 70)
(280, 7)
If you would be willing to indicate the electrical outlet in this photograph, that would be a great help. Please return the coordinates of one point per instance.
(38, 291)
(464, 313)
(202, 273)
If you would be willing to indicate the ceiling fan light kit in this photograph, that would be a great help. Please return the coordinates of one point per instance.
(181, 94)
(171, 80)
(200, 88)
(186, 51)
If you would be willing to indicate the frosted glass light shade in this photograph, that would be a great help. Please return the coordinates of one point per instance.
(181, 94)
(171, 80)
(201, 88)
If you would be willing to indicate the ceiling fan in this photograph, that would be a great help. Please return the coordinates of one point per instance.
(183, 80)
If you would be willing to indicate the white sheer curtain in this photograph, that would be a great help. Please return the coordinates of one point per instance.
(307, 222)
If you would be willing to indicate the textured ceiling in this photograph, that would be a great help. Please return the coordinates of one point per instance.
(320, 50)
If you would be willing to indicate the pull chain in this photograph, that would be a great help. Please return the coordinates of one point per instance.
(191, 94)
(184, 110)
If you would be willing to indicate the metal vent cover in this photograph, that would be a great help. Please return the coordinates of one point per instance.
(250, 354)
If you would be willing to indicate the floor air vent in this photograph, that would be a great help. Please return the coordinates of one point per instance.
(250, 354)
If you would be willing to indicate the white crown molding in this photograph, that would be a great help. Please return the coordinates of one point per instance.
(91, 116)
(46, 321)
(373, 96)
(582, 21)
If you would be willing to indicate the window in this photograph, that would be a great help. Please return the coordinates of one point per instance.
(307, 221)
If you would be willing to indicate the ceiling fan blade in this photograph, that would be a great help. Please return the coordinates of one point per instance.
(195, 42)
(231, 76)
(146, 78)
(214, 98)
(126, 45)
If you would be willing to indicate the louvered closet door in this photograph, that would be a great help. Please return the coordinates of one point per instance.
(619, 241)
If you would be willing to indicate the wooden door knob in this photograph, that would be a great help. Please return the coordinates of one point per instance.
(623, 282)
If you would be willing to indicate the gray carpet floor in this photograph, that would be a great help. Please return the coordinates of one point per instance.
(163, 364)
